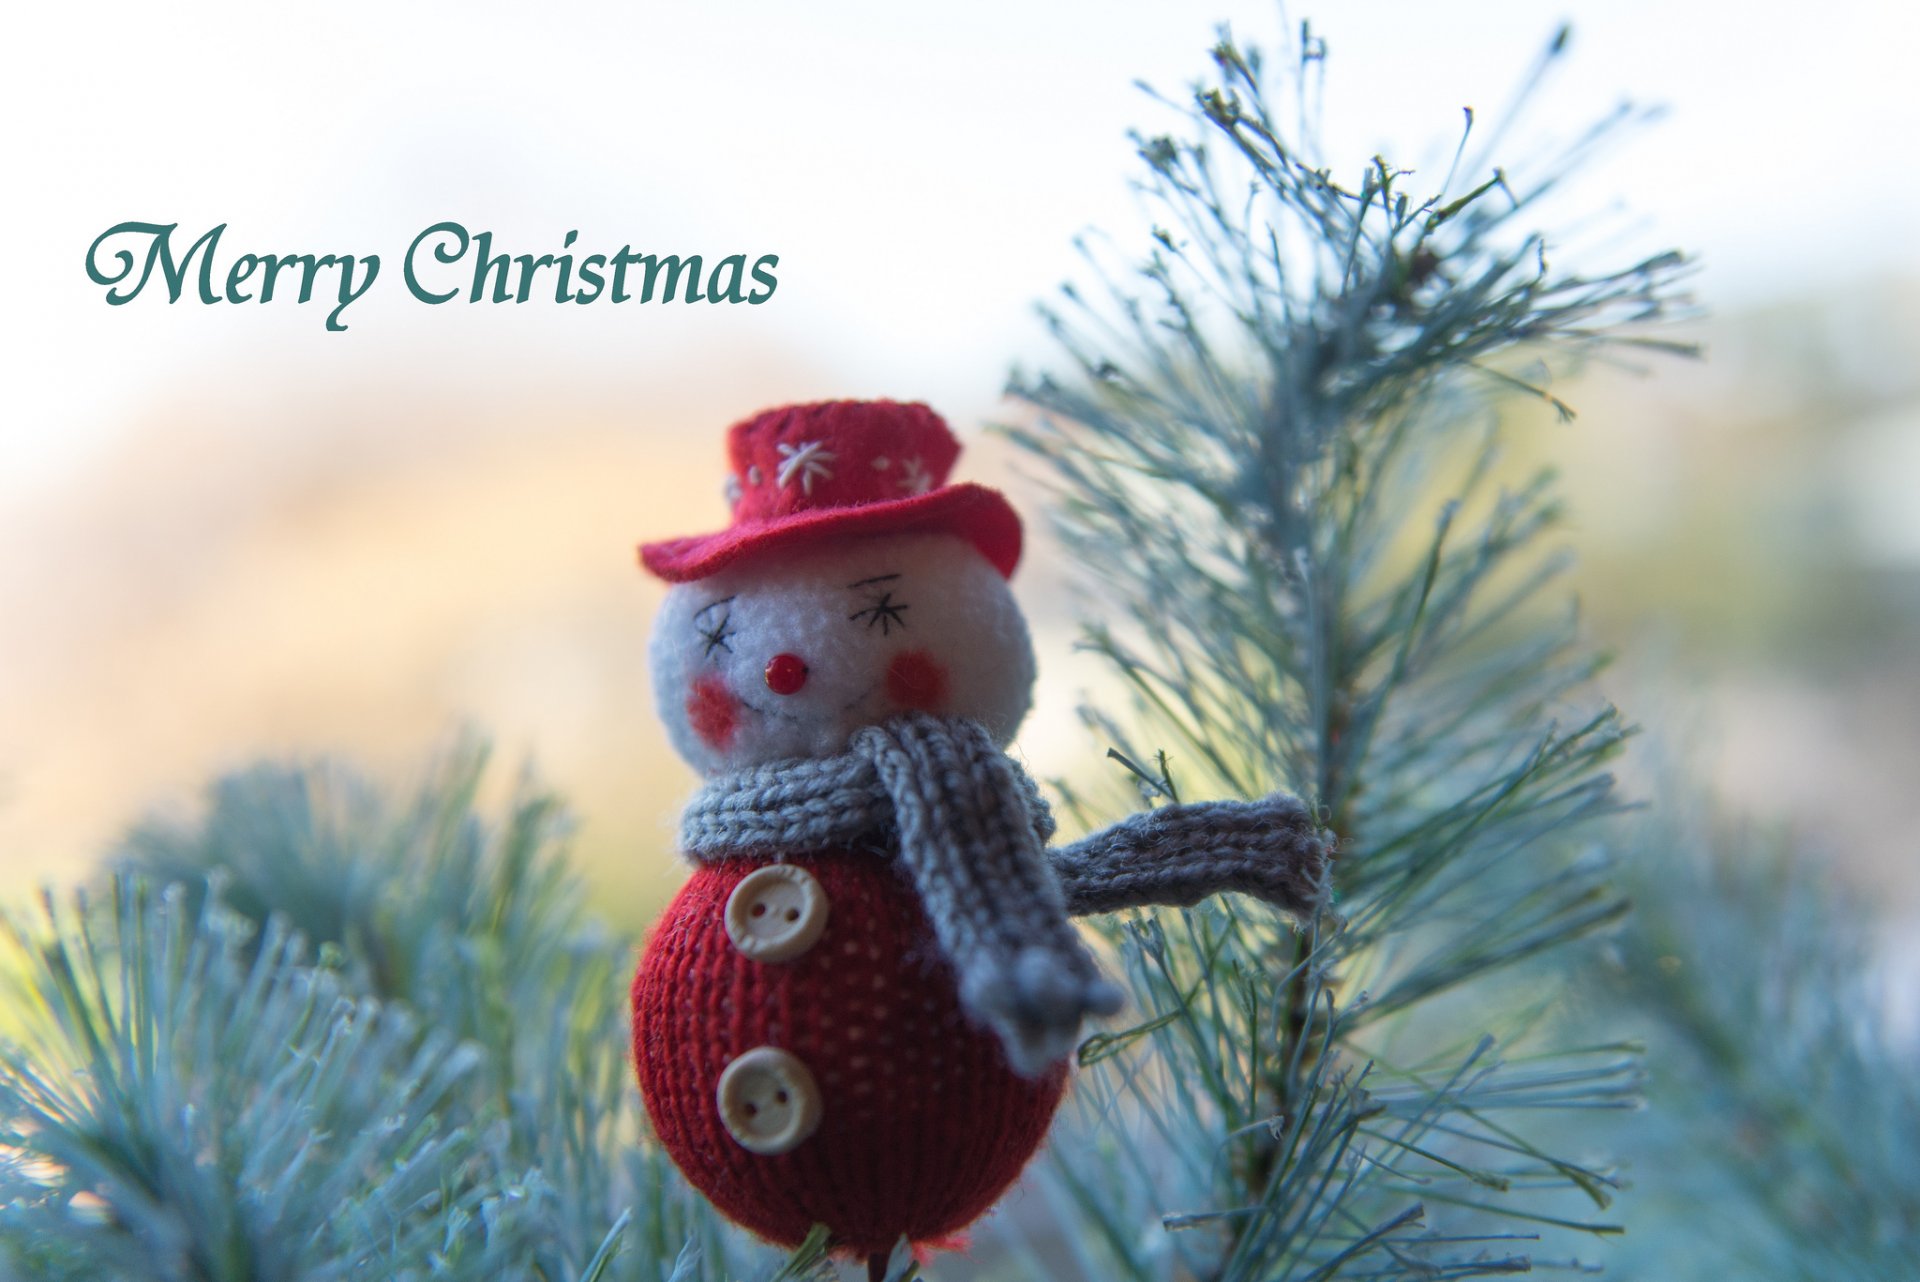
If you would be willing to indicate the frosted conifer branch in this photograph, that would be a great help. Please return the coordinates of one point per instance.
(1275, 444)
(1786, 1108)
(218, 1133)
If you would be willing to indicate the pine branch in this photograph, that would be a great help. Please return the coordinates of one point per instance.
(1789, 1112)
(193, 1112)
(202, 1142)
(1277, 442)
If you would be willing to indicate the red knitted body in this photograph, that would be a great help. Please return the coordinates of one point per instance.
(923, 1125)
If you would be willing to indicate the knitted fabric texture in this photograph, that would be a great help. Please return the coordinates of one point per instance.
(808, 802)
(924, 1124)
(970, 828)
(1271, 849)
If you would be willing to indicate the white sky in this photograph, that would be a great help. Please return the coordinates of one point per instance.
(920, 169)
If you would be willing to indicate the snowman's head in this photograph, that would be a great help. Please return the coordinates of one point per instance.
(787, 653)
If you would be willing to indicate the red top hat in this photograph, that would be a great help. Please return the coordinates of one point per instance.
(804, 473)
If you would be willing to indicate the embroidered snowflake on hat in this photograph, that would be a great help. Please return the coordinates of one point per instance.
(806, 460)
(810, 472)
(914, 477)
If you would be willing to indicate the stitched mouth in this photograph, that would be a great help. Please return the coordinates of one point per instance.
(768, 712)
(860, 698)
(796, 717)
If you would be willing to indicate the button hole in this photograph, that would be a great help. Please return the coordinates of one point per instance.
(793, 914)
(759, 910)
(781, 1096)
(749, 1109)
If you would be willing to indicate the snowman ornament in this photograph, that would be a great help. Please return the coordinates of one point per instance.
(859, 1009)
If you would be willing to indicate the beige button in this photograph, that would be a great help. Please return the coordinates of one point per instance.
(776, 913)
(768, 1101)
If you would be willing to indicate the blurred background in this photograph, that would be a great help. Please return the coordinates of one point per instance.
(226, 532)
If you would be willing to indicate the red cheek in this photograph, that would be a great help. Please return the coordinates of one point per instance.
(713, 712)
(915, 679)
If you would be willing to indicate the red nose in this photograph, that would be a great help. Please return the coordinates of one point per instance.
(786, 673)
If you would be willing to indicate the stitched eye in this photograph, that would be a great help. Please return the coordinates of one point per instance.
(881, 610)
(711, 623)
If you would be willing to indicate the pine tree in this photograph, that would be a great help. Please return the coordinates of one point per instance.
(1277, 438)
(323, 1032)
(320, 1033)
(1785, 1112)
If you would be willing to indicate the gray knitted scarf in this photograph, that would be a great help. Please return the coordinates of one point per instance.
(970, 829)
